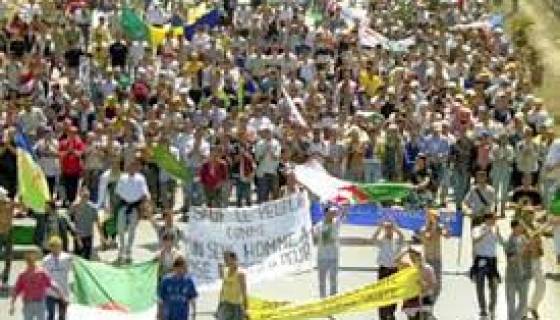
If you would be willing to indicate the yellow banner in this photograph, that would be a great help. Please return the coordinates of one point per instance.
(394, 289)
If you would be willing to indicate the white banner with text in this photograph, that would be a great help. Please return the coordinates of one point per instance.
(270, 239)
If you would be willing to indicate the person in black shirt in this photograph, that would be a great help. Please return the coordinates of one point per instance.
(421, 180)
(72, 57)
(8, 166)
(118, 51)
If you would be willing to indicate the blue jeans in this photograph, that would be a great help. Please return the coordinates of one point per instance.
(34, 310)
(193, 194)
(372, 170)
(243, 192)
(52, 305)
(328, 267)
(265, 186)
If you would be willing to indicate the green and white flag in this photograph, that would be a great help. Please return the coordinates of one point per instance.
(103, 291)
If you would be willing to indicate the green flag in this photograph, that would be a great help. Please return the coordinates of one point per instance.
(133, 26)
(32, 184)
(166, 161)
(128, 289)
(386, 191)
(555, 204)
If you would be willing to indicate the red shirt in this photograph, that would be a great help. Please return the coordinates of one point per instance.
(71, 162)
(212, 175)
(32, 284)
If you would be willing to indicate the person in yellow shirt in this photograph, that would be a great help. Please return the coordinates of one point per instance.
(233, 296)
(369, 80)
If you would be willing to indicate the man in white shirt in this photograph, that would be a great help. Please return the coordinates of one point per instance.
(485, 265)
(132, 191)
(267, 155)
(390, 242)
(57, 264)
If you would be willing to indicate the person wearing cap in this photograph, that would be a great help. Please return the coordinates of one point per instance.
(389, 239)
(7, 208)
(57, 264)
(486, 239)
(326, 235)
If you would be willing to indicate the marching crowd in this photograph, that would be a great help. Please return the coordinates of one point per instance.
(425, 92)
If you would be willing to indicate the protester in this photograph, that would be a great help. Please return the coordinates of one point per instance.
(233, 296)
(327, 237)
(390, 241)
(7, 209)
(57, 264)
(177, 294)
(85, 216)
(420, 307)
(486, 239)
(480, 199)
(518, 272)
(33, 285)
(131, 190)
(431, 237)
(427, 93)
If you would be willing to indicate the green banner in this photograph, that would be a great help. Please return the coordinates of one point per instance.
(166, 161)
(133, 26)
(131, 288)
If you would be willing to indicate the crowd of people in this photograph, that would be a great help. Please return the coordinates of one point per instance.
(441, 100)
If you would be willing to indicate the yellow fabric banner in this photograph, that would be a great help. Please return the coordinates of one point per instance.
(394, 289)
(32, 184)
(157, 34)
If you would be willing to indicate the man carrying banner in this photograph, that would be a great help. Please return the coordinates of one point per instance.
(132, 190)
(389, 239)
(420, 307)
(326, 235)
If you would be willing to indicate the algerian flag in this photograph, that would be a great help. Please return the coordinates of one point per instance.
(175, 168)
(102, 291)
(328, 188)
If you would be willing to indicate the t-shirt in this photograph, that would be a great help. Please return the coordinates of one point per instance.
(175, 293)
(328, 240)
(32, 285)
(118, 52)
(84, 216)
(58, 268)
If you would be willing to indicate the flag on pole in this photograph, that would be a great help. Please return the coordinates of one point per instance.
(165, 160)
(32, 183)
(102, 291)
(328, 188)
(294, 112)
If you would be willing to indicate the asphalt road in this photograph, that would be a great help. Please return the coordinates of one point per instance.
(457, 300)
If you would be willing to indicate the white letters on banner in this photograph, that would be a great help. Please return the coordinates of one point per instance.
(270, 239)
